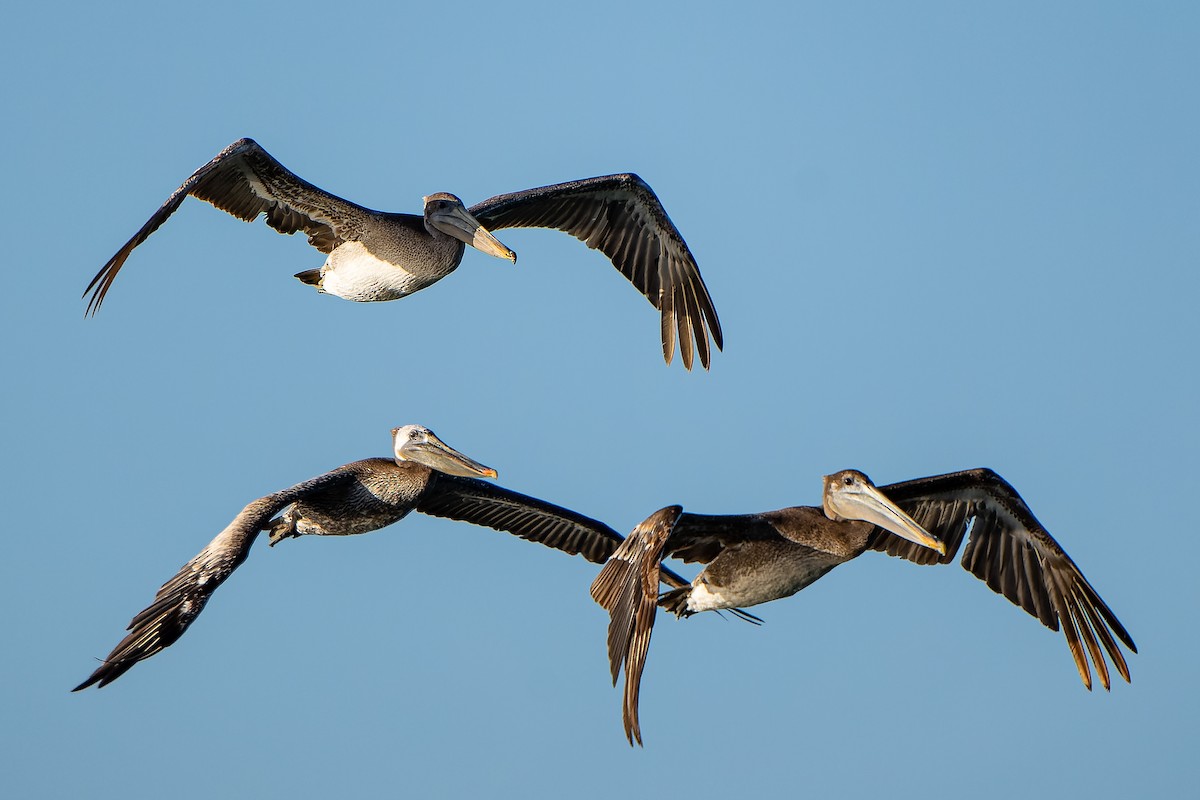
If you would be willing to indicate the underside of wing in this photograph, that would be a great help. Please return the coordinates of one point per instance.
(483, 503)
(621, 216)
(245, 180)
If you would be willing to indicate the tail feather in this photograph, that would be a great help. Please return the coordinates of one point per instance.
(675, 601)
(310, 276)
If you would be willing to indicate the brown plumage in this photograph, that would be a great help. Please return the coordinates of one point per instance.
(356, 498)
(376, 256)
(756, 558)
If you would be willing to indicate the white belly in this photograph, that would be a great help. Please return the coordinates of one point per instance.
(706, 598)
(353, 272)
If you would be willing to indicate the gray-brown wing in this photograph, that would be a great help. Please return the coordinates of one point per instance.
(245, 181)
(1014, 554)
(702, 537)
(181, 599)
(622, 217)
(627, 588)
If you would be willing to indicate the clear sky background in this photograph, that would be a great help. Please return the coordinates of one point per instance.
(938, 235)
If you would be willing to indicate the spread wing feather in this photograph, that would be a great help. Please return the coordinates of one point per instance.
(183, 597)
(622, 217)
(1014, 554)
(627, 587)
(245, 180)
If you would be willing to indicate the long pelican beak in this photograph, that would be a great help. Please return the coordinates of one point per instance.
(432, 452)
(459, 223)
(865, 502)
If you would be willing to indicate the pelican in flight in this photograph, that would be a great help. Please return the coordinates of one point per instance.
(376, 255)
(755, 558)
(426, 475)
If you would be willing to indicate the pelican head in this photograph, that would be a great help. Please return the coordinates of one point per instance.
(446, 214)
(419, 444)
(850, 495)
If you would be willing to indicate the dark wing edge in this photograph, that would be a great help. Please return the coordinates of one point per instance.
(622, 217)
(244, 180)
(181, 599)
(1014, 555)
(482, 503)
(627, 587)
(492, 506)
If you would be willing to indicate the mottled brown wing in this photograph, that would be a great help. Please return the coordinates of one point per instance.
(622, 217)
(181, 599)
(246, 181)
(627, 588)
(1014, 554)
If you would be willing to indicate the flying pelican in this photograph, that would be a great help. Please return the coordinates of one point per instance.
(755, 558)
(426, 474)
(375, 255)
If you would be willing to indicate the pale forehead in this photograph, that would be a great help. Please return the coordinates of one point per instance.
(406, 429)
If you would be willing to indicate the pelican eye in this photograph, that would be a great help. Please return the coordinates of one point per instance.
(848, 480)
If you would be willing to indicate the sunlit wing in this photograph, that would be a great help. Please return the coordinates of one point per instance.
(627, 588)
(181, 599)
(245, 180)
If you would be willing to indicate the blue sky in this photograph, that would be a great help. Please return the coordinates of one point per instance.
(939, 236)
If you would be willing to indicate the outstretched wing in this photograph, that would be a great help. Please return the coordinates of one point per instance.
(181, 599)
(245, 181)
(627, 588)
(483, 503)
(1011, 551)
(622, 217)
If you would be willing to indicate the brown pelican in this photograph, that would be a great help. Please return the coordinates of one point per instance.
(755, 558)
(426, 475)
(375, 255)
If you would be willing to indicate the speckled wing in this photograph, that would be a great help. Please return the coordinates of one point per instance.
(1011, 551)
(246, 181)
(621, 216)
(627, 588)
(181, 599)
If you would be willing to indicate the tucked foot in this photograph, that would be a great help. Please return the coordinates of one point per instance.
(282, 528)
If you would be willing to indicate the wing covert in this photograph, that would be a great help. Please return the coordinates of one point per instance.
(245, 180)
